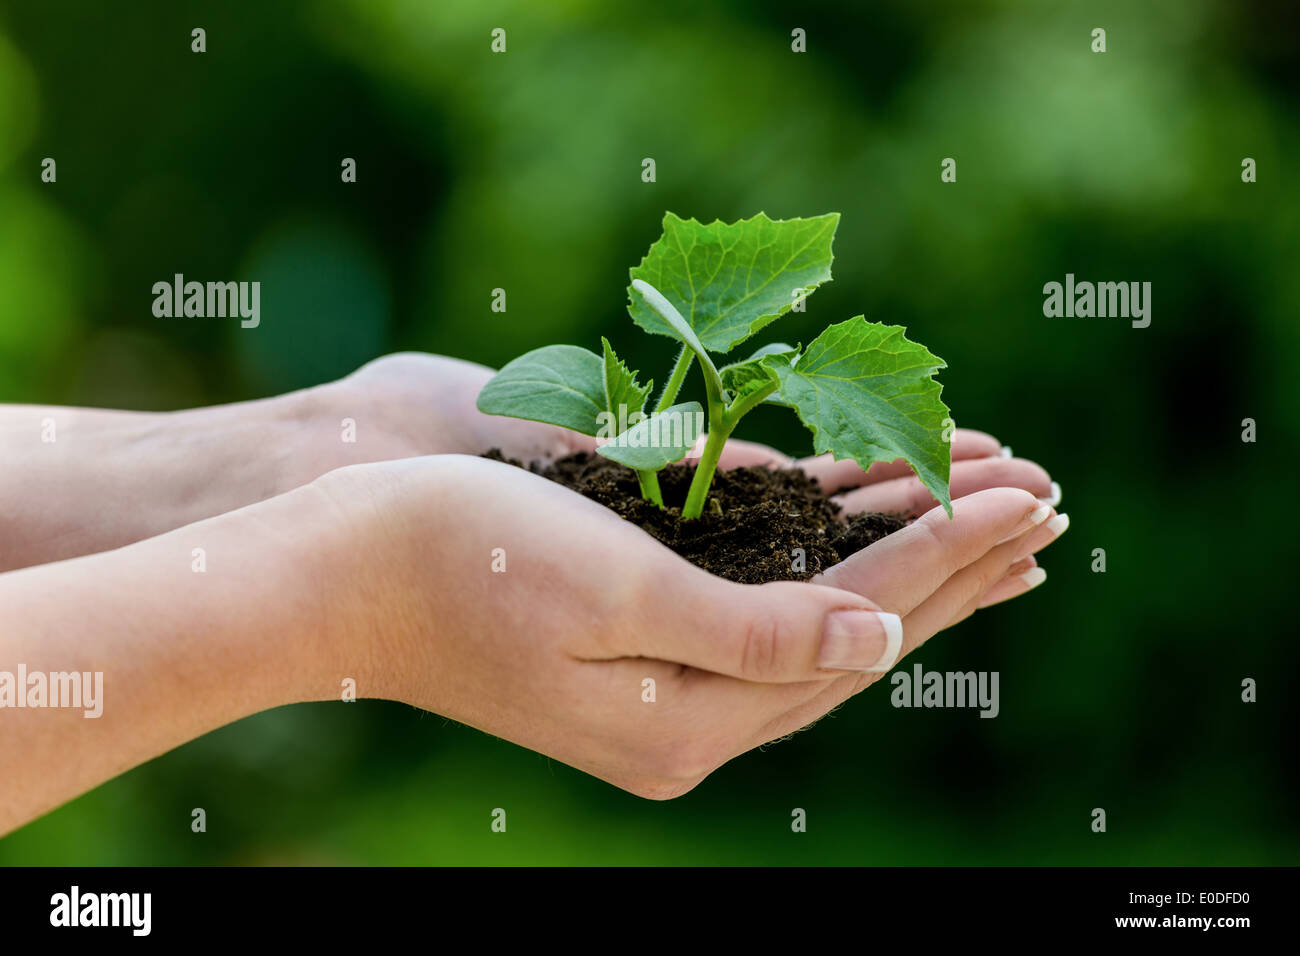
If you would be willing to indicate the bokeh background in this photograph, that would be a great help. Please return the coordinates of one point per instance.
(522, 170)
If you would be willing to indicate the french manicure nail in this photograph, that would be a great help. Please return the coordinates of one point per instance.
(1033, 577)
(1005, 451)
(1036, 517)
(1058, 524)
(1054, 499)
(867, 641)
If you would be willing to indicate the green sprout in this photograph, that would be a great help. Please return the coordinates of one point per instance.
(864, 390)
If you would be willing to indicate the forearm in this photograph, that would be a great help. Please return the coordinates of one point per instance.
(182, 647)
(78, 481)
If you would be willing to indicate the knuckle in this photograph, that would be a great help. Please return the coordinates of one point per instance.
(760, 648)
(935, 543)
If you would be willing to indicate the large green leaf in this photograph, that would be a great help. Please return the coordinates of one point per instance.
(622, 391)
(728, 280)
(559, 384)
(658, 440)
(869, 394)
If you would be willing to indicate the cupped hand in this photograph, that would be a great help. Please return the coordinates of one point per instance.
(507, 602)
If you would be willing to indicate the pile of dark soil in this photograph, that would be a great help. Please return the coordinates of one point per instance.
(757, 523)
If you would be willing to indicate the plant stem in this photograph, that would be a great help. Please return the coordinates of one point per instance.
(722, 422)
(650, 487)
(699, 491)
(682, 366)
(743, 407)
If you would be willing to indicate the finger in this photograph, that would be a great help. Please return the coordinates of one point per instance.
(1043, 535)
(698, 721)
(961, 594)
(1024, 575)
(739, 454)
(782, 632)
(1006, 571)
(730, 716)
(1054, 497)
(957, 600)
(817, 701)
(901, 571)
(908, 496)
(834, 475)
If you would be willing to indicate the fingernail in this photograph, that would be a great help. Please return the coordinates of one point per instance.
(866, 641)
(1054, 498)
(1036, 517)
(1016, 572)
(1033, 577)
(1054, 528)
(1006, 451)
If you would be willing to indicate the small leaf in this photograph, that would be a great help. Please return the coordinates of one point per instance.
(678, 327)
(671, 318)
(658, 440)
(728, 280)
(559, 384)
(741, 378)
(621, 387)
(869, 394)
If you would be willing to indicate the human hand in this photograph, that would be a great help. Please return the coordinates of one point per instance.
(554, 649)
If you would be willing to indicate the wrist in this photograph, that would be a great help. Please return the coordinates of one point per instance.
(388, 553)
(286, 590)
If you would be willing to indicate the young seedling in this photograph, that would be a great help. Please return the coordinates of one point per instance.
(864, 390)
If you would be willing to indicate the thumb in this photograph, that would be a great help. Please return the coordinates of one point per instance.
(785, 631)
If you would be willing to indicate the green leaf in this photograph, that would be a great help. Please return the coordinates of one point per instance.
(679, 329)
(621, 387)
(869, 394)
(742, 378)
(559, 384)
(728, 280)
(658, 440)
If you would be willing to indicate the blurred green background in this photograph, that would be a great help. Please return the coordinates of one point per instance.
(523, 171)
